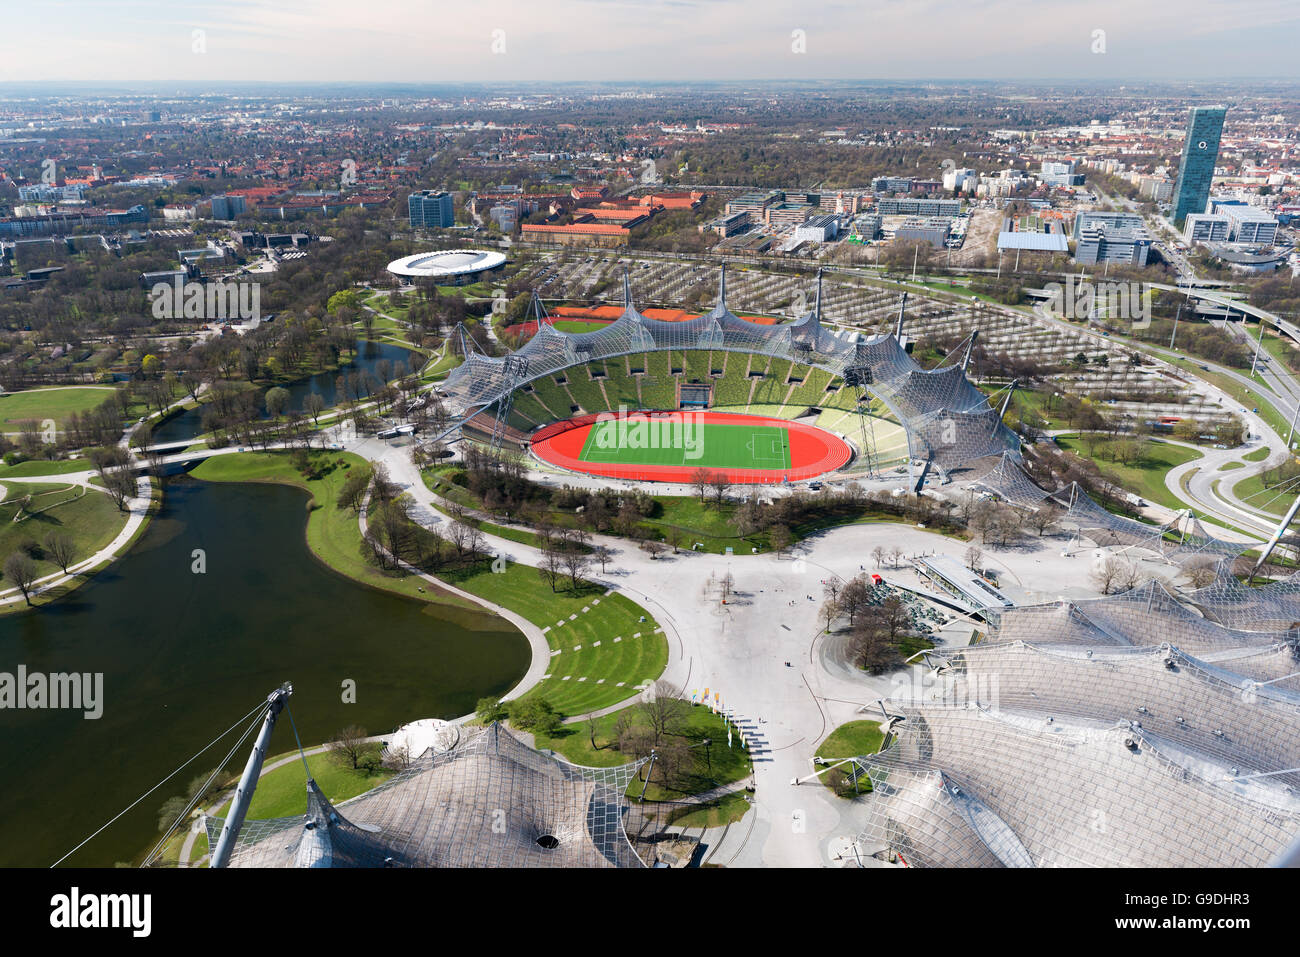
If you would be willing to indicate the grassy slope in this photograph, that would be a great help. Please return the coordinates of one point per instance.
(92, 521)
(612, 669)
(283, 792)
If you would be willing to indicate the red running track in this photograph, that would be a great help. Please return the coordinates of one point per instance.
(813, 451)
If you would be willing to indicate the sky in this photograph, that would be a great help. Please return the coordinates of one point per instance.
(485, 41)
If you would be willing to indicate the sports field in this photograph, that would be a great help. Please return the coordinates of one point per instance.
(677, 440)
(669, 446)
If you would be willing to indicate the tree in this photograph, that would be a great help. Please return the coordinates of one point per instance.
(830, 610)
(21, 570)
(534, 714)
(490, 709)
(975, 558)
(58, 545)
(854, 597)
(700, 478)
(720, 484)
(665, 712)
(780, 537)
(552, 566)
(350, 746)
(277, 400)
(603, 554)
(314, 405)
(878, 555)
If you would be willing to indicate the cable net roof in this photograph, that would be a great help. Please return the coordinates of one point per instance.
(1063, 792)
(1270, 607)
(489, 802)
(947, 420)
(1011, 483)
(1180, 541)
(1144, 616)
(1197, 708)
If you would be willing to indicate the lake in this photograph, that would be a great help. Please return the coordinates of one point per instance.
(189, 424)
(184, 655)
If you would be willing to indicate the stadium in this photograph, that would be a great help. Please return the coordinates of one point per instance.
(765, 403)
(448, 267)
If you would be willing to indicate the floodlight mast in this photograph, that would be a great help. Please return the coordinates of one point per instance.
(275, 702)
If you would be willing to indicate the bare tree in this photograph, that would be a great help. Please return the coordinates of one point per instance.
(21, 570)
(58, 545)
(603, 554)
(666, 711)
(701, 478)
(721, 485)
(975, 558)
(350, 745)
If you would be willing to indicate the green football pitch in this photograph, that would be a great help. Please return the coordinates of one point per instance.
(707, 445)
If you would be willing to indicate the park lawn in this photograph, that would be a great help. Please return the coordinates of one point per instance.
(719, 764)
(1229, 466)
(90, 519)
(333, 533)
(1259, 455)
(283, 792)
(1275, 500)
(56, 404)
(584, 676)
(719, 812)
(45, 467)
(849, 741)
(1145, 475)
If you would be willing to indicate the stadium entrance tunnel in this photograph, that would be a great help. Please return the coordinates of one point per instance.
(671, 446)
(548, 842)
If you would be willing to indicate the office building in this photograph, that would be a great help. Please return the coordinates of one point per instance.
(1119, 238)
(1205, 228)
(228, 207)
(431, 209)
(919, 207)
(1200, 154)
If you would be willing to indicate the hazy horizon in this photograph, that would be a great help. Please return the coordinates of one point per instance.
(417, 43)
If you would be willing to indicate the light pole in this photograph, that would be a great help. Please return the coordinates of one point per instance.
(1175, 333)
(1258, 342)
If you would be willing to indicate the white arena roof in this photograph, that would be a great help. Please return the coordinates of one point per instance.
(445, 263)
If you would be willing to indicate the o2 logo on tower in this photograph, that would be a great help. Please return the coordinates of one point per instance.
(1202, 145)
